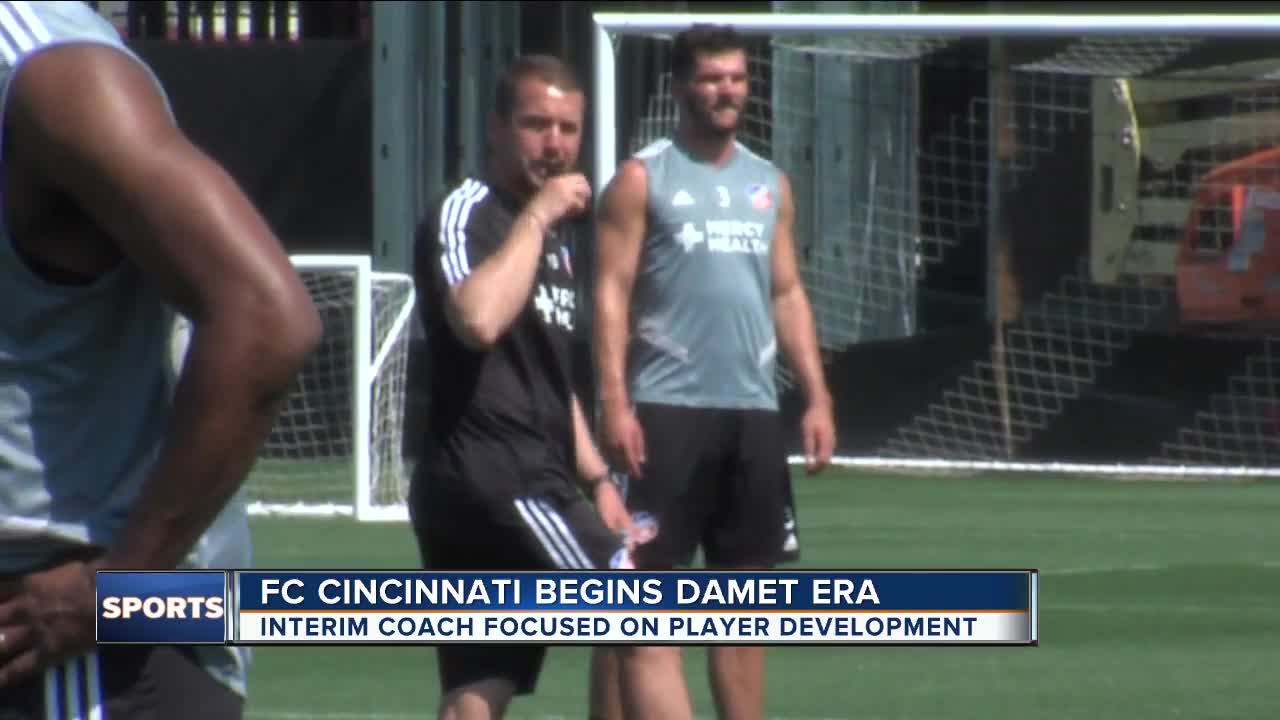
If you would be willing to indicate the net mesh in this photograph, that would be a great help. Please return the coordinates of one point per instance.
(1082, 166)
(307, 464)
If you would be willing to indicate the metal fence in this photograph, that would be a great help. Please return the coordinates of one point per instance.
(229, 20)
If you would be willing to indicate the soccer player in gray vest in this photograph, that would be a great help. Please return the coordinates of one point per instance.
(697, 289)
(116, 450)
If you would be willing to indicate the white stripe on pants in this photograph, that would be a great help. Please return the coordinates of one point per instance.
(553, 533)
(73, 690)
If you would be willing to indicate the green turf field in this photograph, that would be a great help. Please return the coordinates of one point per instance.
(1158, 600)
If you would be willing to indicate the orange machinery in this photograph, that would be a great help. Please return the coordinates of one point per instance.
(1228, 267)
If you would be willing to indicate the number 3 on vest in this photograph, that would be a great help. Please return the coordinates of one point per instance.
(724, 195)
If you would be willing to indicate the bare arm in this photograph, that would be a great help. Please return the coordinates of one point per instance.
(620, 227)
(592, 474)
(797, 335)
(591, 464)
(107, 140)
(484, 303)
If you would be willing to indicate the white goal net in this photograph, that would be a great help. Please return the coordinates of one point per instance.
(1092, 194)
(337, 447)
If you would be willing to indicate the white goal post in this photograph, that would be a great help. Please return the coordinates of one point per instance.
(611, 29)
(337, 447)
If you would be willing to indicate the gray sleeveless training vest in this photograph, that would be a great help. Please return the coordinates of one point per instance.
(702, 311)
(87, 374)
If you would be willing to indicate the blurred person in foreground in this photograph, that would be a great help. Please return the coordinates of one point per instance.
(117, 449)
(509, 464)
(697, 288)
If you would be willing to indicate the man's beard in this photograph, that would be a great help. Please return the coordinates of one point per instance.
(537, 173)
(706, 125)
(550, 169)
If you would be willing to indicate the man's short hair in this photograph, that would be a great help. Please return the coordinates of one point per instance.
(550, 70)
(702, 38)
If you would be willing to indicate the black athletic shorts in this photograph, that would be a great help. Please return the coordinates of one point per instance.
(123, 682)
(547, 525)
(716, 479)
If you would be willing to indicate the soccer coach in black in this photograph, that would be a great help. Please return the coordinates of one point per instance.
(494, 487)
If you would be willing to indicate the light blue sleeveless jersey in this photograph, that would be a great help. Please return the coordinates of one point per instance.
(702, 309)
(87, 374)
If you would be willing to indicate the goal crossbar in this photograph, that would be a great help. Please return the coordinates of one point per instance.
(1043, 25)
(608, 24)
